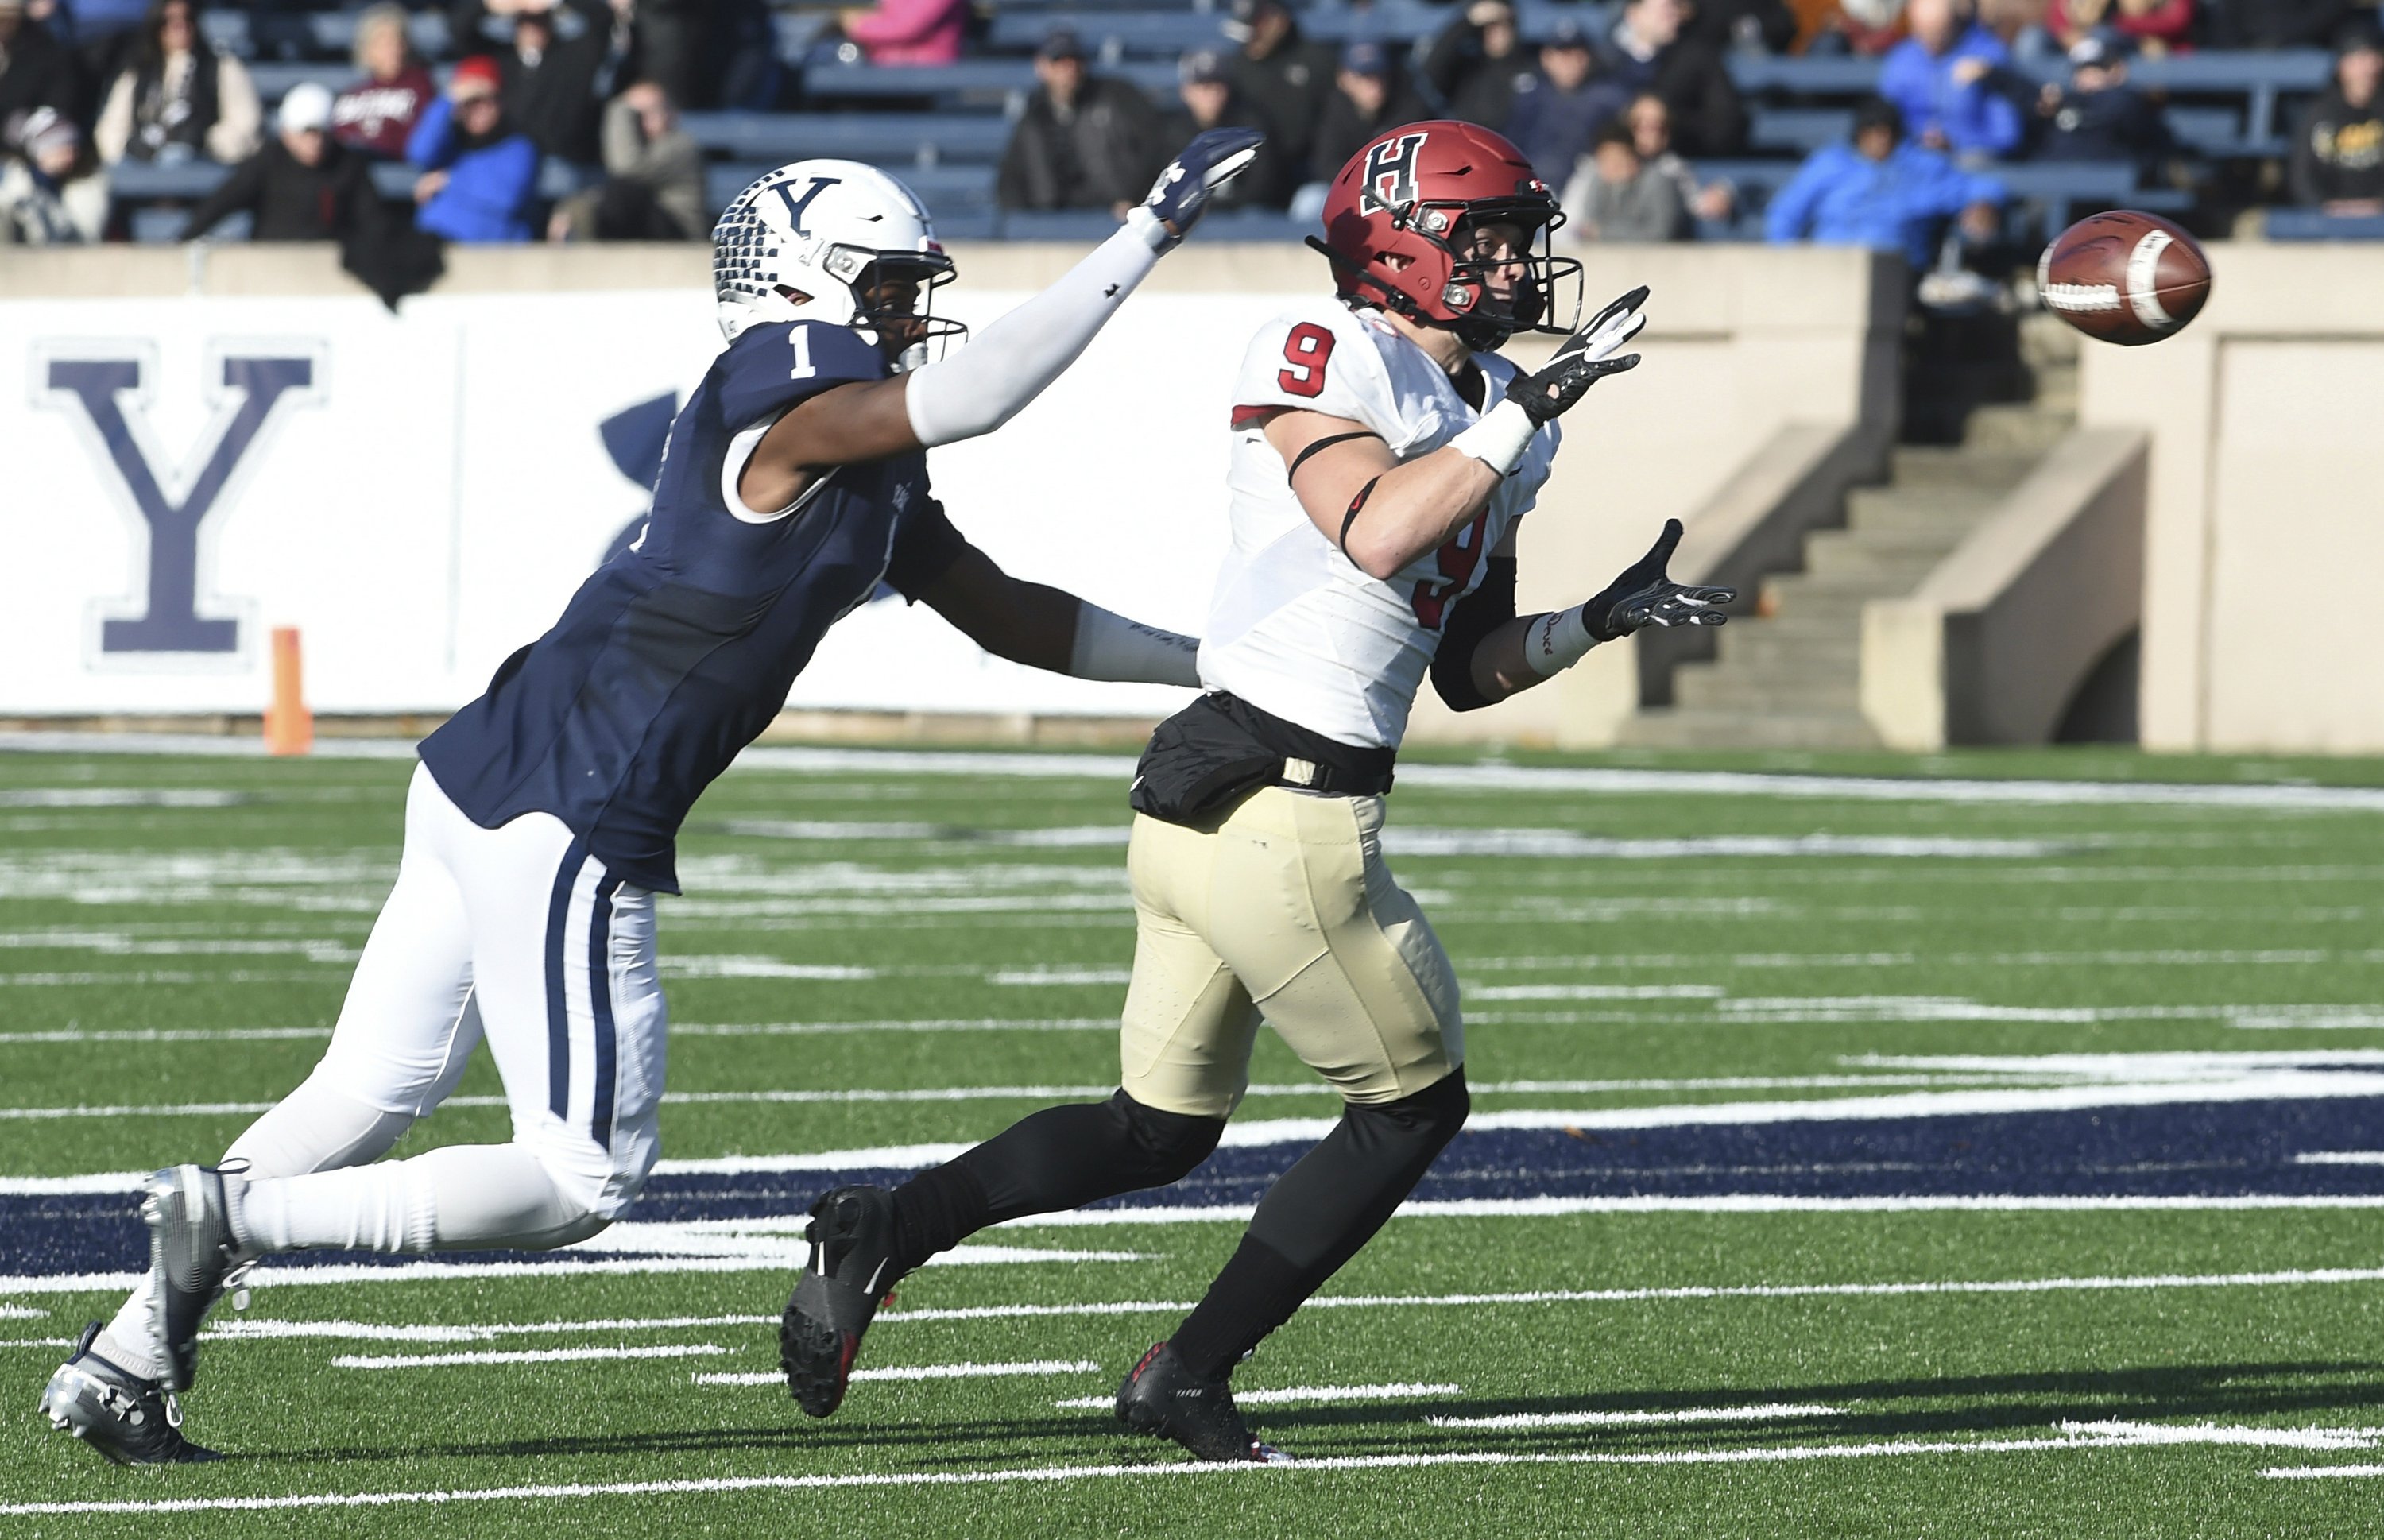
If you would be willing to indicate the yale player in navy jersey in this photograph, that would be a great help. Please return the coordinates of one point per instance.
(540, 822)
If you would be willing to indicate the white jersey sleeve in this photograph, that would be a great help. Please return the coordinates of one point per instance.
(1322, 358)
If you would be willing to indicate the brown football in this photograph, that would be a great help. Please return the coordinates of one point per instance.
(2125, 278)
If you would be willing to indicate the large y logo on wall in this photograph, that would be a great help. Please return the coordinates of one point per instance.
(111, 396)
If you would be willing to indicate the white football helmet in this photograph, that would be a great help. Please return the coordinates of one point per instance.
(812, 239)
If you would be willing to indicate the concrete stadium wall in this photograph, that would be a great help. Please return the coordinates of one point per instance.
(1107, 485)
(2265, 527)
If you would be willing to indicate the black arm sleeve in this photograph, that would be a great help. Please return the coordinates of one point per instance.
(925, 549)
(1475, 616)
(241, 190)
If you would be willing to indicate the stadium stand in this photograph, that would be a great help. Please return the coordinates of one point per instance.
(944, 127)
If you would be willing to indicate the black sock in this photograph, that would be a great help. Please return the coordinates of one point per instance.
(1256, 1293)
(935, 1211)
(1315, 1218)
(1059, 1158)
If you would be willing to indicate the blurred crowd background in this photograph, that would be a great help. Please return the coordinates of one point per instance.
(1957, 132)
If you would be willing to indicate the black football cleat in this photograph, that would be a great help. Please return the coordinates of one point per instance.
(192, 1252)
(851, 1272)
(127, 1418)
(1165, 1399)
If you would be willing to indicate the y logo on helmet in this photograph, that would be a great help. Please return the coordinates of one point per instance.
(795, 206)
(1390, 180)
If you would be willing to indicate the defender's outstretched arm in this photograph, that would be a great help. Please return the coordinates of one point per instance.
(1048, 627)
(1010, 361)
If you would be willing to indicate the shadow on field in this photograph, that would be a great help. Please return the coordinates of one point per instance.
(931, 1444)
(1980, 1404)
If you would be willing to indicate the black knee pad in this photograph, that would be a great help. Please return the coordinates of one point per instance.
(1165, 1146)
(1427, 1120)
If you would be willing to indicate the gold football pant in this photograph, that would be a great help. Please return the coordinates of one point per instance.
(1282, 908)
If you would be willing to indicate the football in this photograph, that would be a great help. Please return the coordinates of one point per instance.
(2125, 278)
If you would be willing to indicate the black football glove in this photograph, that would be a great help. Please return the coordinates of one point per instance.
(1208, 163)
(1643, 596)
(1586, 358)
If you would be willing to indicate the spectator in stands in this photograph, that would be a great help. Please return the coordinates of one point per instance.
(1950, 81)
(1561, 108)
(2276, 23)
(2338, 162)
(550, 71)
(35, 69)
(2099, 116)
(1651, 135)
(52, 191)
(1084, 142)
(375, 115)
(1366, 100)
(1647, 52)
(177, 97)
(1477, 64)
(1616, 195)
(478, 171)
(653, 177)
(2154, 24)
(1866, 28)
(910, 32)
(1281, 73)
(303, 185)
(1883, 193)
(1748, 26)
(1204, 83)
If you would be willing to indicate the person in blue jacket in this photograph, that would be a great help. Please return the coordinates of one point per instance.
(1882, 192)
(1947, 78)
(478, 173)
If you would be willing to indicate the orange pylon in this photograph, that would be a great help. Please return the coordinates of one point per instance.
(289, 726)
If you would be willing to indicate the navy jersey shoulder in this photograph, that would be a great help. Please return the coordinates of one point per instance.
(677, 653)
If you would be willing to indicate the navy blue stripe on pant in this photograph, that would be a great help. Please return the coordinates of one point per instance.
(558, 1009)
(599, 1001)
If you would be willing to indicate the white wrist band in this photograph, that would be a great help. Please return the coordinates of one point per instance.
(1558, 641)
(1500, 440)
(1111, 647)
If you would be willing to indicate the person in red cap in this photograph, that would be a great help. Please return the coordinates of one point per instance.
(478, 173)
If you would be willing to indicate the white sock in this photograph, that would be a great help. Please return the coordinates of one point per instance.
(460, 1199)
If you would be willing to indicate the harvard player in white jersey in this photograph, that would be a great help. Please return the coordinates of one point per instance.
(1384, 455)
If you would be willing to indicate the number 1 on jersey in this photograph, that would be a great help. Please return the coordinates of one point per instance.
(1304, 353)
(800, 338)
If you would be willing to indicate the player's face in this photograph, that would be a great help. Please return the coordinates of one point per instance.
(1499, 253)
(893, 304)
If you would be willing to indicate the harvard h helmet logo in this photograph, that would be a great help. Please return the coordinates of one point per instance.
(1390, 180)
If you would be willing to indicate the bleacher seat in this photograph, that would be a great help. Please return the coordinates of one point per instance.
(150, 181)
(1146, 34)
(1798, 131)
(884, 138)
(2316, 224)
(948, 191)
(969, 78)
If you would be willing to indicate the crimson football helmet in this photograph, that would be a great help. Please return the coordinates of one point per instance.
(1396, 216)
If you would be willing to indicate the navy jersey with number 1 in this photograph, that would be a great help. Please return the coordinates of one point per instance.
(676, 653)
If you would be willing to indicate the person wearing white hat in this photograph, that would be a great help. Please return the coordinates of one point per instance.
(302, 186)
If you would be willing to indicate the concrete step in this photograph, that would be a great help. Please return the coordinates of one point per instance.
(2022, 429)
(1679, 728)
(1894, 532)
(1989, 473)
(1851, 581)
(1850, 567)
(1760, 693)
(1772, 644)
(1888, 518)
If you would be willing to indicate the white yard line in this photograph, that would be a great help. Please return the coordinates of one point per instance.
(529, 1354)
(1769, 1411)
(244, 1327)
(1499, 778)
(926, 1371)
(2316, 1473)
(1298, 1395)
(2341, 1158)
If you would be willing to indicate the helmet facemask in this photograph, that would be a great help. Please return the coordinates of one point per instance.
(1548, 292)
(876, 279)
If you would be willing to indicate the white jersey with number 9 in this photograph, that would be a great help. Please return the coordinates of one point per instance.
(1295, 628)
